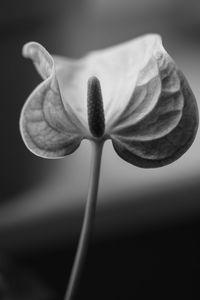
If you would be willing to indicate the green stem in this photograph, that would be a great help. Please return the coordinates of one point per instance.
(88, 221)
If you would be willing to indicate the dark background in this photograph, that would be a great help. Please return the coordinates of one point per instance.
(146, 236)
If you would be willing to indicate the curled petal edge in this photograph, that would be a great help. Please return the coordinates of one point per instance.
(48, 130)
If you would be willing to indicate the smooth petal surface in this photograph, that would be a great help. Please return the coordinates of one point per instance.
(54, 119)
(47, 128)
(166, 132)
(150, 112)
(117, 69)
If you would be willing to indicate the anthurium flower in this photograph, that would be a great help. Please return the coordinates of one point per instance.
(133, 94)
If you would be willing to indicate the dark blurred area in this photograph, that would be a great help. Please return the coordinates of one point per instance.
(147, 232)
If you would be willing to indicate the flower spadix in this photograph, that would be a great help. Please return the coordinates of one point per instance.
(132, 93)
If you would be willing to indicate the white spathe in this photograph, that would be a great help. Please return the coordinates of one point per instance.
(150, 112)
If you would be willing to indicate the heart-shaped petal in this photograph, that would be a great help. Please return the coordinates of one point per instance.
(48, 129)
(117, 69)
(167, 131)
(149, 110)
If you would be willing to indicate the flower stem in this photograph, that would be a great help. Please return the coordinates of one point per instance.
(88, 220)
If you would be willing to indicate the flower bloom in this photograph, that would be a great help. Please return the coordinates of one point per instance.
(132, 93)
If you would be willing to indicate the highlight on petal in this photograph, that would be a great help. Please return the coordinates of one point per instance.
(161, 119)
(149, 110)
(48, 129)
(41, 58)
(117, 69)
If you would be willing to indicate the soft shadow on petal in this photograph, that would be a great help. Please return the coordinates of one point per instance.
(48, 129)
(167, 132)
(155, 106)
(118, 69)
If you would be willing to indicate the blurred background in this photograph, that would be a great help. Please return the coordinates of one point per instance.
(147, 230)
